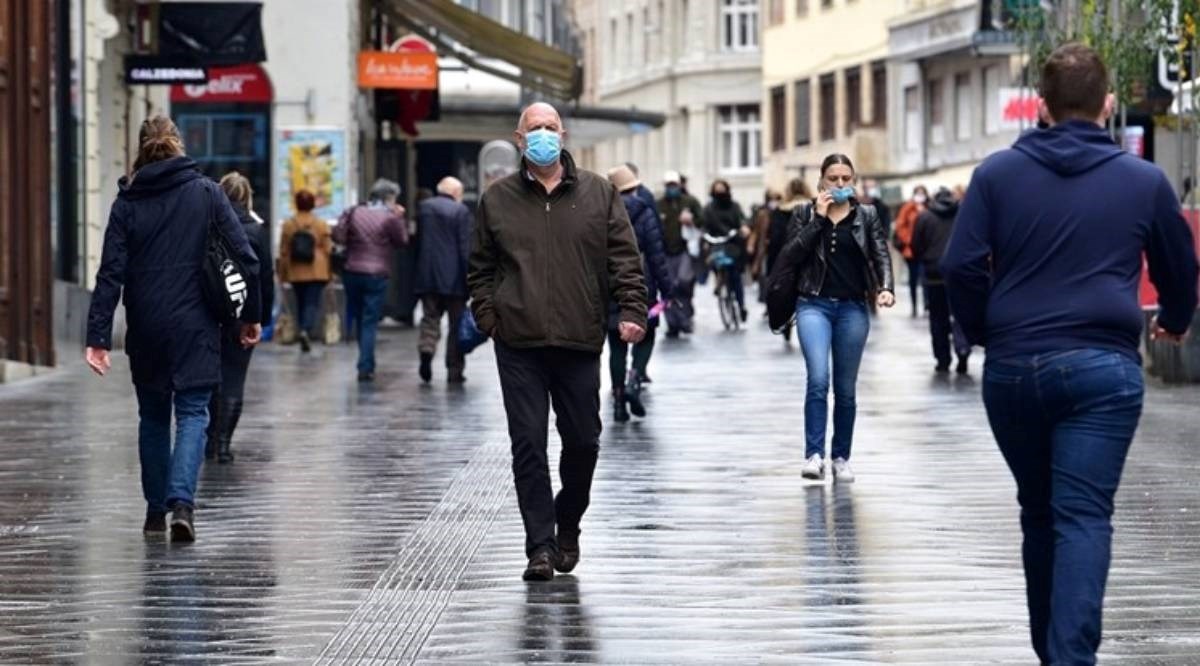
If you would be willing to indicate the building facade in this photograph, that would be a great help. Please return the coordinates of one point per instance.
(826, 85)
(956, 92)
(697, 62)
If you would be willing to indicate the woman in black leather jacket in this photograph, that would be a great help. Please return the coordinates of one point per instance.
(842, 266)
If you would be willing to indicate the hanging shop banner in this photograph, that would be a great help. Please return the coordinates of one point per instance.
(313, 159)
(1018, 108)
(408, 70)
(212, 33)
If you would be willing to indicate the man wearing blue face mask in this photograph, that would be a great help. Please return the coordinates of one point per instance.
(679, 211)
(552, 246)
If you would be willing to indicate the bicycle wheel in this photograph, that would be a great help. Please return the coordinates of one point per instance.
(726, 307)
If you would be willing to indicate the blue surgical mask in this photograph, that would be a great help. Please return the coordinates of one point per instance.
(841, 194)
(542, 147)
(673, 192)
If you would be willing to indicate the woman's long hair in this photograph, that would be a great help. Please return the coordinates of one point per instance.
(237, 188)
(158, 140)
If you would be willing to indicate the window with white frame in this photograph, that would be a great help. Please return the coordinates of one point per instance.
(912, 118)
(937, 113)
(963, 108)
(739, 25)
(739, 133)
(991, 100)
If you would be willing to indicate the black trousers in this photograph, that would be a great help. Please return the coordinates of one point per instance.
(532, 380)
(942, 329)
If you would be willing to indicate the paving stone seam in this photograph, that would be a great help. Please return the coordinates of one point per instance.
(401, 609)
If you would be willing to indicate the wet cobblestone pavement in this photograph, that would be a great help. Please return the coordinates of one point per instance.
(377, 524)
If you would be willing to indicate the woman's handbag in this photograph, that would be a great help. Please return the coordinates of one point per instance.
(469, 335)
(782, 292)
(331, 323)
(223, 278)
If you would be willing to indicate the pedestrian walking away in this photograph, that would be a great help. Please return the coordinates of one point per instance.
(225, 406)
(679, 213)
(305, 249)
(444, 246)
(906, 222)
(929, 240)
(724, 217)
(756, 243)
(840, 256)
(154, 249)
(627, 387)
(1043, 270)
(370, 232)
(552, 219)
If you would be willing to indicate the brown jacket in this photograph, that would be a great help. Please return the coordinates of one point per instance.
(544, 266)
(318, 269)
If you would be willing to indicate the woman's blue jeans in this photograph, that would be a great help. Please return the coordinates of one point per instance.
(831, 328)
(169, 474)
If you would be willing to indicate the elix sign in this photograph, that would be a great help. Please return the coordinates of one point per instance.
(398, 71)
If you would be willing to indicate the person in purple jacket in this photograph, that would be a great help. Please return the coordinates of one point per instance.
(370, 232)
(1042, 269)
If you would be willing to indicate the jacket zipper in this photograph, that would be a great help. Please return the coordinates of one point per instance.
(546, 278)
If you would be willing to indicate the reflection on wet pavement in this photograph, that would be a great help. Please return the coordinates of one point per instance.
(377, 524)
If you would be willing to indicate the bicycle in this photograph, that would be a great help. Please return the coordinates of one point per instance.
(722, 266)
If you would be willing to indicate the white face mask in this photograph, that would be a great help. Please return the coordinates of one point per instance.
(919, 198)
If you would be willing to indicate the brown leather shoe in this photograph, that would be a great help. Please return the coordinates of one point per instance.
(541, 566)
(568, 553)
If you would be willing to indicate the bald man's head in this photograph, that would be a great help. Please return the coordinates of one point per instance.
(539, 115)
(451, 187)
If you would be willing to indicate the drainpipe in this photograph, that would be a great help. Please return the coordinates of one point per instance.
(926, 128)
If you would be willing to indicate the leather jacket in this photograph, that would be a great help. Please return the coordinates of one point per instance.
(806, 249)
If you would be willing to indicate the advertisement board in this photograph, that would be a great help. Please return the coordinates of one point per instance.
(314, 159)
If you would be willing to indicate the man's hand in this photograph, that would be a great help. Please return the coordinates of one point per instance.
(686, 218)
(1159, 333)
(886, 299)
(631, 333)
(251, 335)
(98, 360)
(824, 201)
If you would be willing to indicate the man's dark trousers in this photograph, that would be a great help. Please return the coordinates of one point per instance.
(941, 328)
(532, 380)
(433, 306)
(1064, 422)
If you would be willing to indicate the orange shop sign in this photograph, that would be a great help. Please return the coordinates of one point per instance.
(399, 71)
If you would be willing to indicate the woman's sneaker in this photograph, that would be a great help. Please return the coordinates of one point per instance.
(814, 468)
(842, 471)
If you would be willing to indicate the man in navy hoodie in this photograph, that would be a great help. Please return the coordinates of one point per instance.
(1043, 269)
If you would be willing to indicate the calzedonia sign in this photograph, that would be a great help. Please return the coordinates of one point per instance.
(408, 70)
(152, 70)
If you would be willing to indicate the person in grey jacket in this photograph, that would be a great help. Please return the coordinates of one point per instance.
(370, 232)
(444, 245)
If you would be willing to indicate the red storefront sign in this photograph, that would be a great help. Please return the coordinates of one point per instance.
(242, 84)
(1149, 295)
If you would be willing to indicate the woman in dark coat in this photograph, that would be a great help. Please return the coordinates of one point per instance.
(627, 389)
(225, 407)
(154, 248)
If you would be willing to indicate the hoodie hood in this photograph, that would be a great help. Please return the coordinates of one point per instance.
(158, 177)
(944, 204)
(1070, 148)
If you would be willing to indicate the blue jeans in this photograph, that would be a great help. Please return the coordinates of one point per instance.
(825, 325)
(1064, 422)
(308, 302)
(364, 301)
(169, 476)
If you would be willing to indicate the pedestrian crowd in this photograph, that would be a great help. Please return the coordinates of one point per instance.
(1037, 260)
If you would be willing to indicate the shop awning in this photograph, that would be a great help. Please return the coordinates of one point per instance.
(467, 35)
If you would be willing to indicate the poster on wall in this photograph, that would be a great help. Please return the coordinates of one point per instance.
(313, 159)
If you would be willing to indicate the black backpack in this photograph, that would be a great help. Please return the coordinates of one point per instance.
(223, 279)
(303, 247)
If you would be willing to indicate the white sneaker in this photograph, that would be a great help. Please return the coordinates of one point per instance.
(842, 471)
(814, 468)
